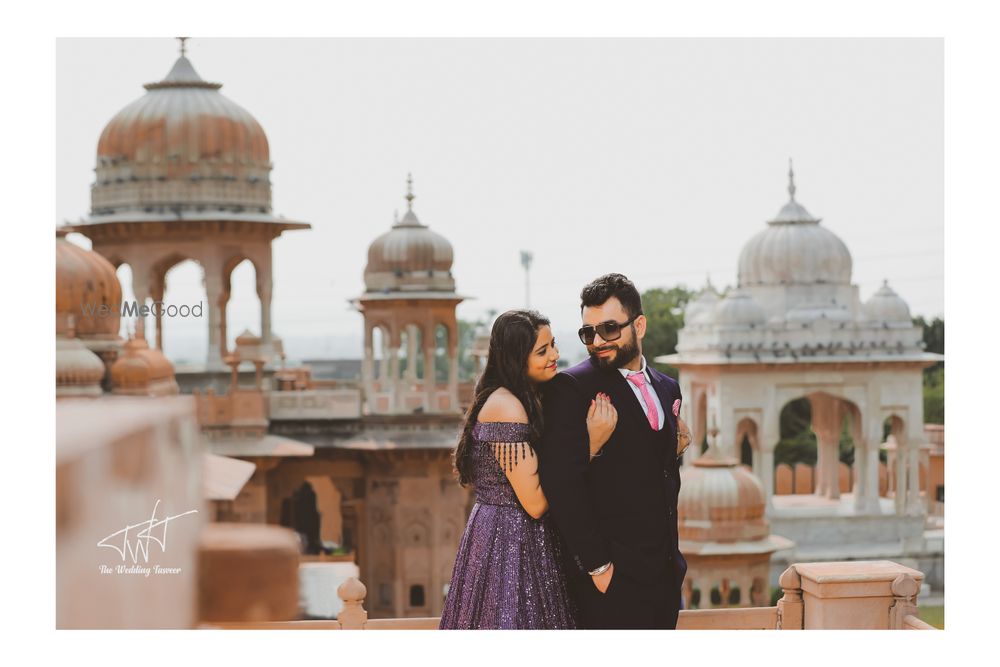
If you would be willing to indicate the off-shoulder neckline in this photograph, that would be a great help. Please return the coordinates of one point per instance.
(514, 423)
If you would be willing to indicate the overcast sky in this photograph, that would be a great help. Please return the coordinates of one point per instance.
(652, 157)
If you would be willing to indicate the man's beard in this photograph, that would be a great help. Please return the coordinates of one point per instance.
(624, 355)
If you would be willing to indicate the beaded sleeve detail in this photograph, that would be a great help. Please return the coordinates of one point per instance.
(509, 441)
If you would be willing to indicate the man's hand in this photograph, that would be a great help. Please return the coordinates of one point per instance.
(603, 580)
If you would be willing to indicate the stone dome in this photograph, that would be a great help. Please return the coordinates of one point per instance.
(78, 370)
(140, 370)
(699, 309)
(794, 249)
(720, 501)
(887, 306)
(737, 309)
(85, 281)
(410, 246)
(410, 256)
(183, 146)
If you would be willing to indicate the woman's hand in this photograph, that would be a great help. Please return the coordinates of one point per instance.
(683, 436)
(601, 421)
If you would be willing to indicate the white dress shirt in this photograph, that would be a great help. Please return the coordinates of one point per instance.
(638, 394)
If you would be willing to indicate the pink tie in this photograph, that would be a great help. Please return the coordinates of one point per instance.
(639, 380)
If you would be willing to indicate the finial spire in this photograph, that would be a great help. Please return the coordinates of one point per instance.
(791, 180)
(395, 217)
(409, 192)
(182, 40)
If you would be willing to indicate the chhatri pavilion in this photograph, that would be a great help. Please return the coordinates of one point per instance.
(795, 327)
(183, 172)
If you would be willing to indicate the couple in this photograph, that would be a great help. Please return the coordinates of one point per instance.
(576, 478)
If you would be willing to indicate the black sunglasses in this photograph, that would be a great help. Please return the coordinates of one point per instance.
(609, 331)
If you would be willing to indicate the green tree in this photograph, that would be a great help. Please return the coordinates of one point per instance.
(933, 375)
(798, 442)
(664, 310)
(466, 338)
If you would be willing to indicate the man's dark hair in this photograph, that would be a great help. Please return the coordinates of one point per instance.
(612, 285)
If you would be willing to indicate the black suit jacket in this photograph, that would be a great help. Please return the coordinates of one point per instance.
(622, 507)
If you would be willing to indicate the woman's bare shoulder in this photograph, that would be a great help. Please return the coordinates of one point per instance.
(503, 406)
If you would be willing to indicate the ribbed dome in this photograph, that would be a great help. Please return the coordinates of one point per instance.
(720, 501)
(183, 146)
(887, 306)
(699, 309)
(409, 257)
(738, 309)
(410, 246)
(142, 371)
(85, 281)
(794, 250)
(78, 370)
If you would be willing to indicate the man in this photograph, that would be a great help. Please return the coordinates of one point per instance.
(618, 512)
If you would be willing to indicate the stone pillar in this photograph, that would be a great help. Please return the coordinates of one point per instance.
(766, 456)
(866, 485)
(157, 294)
(827, 419)
(704, 585)
(913, 504)
(767, 440)
(216, 313)
(452, 373)
(392, 382)
(897, 459)
(383, 368)
(264, 295)
(142, 289)
(430, 383)
(265, 286)
(411, 353)
(368, 369)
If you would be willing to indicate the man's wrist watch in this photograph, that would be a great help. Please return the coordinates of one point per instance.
(601, 570)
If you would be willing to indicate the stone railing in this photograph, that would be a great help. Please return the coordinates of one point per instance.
(877, 595)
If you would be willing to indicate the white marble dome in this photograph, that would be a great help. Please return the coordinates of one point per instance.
(738, 309)
(794, 249)
(887, 306)
(699, 309)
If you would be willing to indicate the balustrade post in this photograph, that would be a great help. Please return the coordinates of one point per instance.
(790, 606)
(353, 615)
(857, 595)
(904, 590)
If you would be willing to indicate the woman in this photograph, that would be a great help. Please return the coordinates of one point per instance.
(509, 569)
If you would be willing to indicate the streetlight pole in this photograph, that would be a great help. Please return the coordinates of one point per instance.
(526, 258)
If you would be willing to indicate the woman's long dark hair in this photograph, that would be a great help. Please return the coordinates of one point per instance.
(511, 342)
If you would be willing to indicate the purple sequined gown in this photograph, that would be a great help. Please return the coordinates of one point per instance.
(508, 571)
